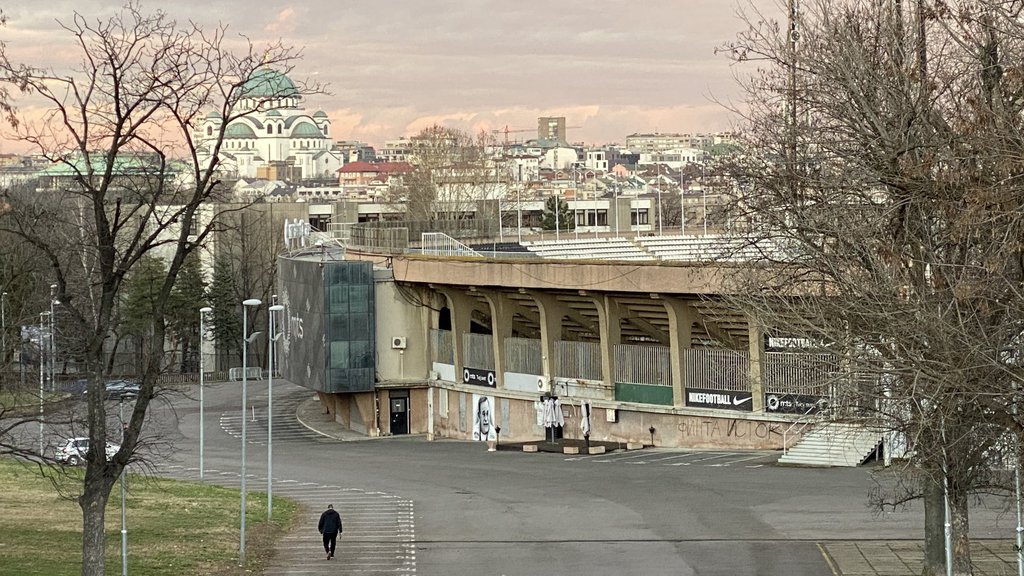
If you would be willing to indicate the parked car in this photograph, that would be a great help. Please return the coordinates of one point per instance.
(74, 451)
(118, 389)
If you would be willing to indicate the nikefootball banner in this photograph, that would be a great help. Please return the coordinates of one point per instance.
(720, 399)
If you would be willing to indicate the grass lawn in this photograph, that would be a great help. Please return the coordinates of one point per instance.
(174, 528)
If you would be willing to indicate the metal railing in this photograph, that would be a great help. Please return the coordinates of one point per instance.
(801, 423)
(441, 244)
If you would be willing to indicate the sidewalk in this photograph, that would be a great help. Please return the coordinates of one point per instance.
(853, 558)
(905, 558)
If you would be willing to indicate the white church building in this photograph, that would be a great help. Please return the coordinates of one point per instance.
(280, 141)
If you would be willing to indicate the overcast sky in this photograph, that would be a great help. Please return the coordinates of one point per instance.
(611, 68)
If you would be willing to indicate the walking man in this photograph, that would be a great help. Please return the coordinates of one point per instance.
(330, 527)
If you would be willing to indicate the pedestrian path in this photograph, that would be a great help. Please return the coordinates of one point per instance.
(379, 529)
(906, 557)
(286, 426)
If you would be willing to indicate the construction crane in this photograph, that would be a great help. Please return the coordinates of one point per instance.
(508, 131)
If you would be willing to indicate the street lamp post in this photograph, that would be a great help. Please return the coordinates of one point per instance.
(42, 376)
(274, 335)
(53, 336)
(3, 321)
(704, 194)
(202, 403)
(124, 472)
(245, 368)
(519, 205)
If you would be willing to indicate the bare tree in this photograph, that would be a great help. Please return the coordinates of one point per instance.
(882, 180)
(246, 259)
(453, 171)
(128, 182)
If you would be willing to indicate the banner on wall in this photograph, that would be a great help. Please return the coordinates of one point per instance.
(794, 403)
(720, 399)
(479, 377)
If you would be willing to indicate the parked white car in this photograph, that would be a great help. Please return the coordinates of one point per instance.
(74, 450)
(117, 389)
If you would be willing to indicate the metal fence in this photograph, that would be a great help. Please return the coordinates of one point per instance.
(643, 364)
(580, 360)
(439, 243)
(402, 234)
(523, 356)
(709, 369)
(797, 373)
(441, 349)
(479, 351)
(714, 369)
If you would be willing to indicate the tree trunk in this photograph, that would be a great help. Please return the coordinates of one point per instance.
(94, 506)
(934, 529)
(959, 517)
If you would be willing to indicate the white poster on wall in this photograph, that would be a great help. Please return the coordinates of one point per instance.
(483, 418)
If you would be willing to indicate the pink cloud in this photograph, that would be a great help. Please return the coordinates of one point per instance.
(283, 24)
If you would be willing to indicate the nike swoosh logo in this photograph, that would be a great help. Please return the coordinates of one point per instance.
(738, 401)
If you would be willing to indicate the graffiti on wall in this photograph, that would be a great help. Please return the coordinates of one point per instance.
(719, 428)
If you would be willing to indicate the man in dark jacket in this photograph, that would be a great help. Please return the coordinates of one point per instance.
(330, 527)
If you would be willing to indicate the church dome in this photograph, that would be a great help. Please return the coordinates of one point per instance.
(213, 114)
(273, 113)
(267, 83)
(306, 130)
(239, 130)
(319, 114)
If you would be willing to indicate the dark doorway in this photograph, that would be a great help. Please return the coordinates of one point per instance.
(399, 415)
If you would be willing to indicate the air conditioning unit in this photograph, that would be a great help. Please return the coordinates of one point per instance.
(398, 342)
(611, 415)
(543, 384)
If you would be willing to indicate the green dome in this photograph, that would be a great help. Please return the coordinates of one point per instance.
(239, 130)
(273, 113)
(306, 130)
(267, 83)
(320, 114)
(213, 114)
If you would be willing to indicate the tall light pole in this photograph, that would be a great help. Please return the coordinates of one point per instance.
(3, 321)
(704, 193)
(42, 375)
(519, 204)
(124, 472)
(274, 335)
(245, 384)
(659, 198)
(202, 403)
(53, 336)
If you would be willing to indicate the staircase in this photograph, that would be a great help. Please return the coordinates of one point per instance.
(833, 444)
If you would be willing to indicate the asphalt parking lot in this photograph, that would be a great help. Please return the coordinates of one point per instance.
(654, 512)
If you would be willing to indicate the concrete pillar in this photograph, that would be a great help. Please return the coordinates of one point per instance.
(680, 323)
(461, 307)
(501, 328)
(551, 313)
(611, 335)
(756, 347)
